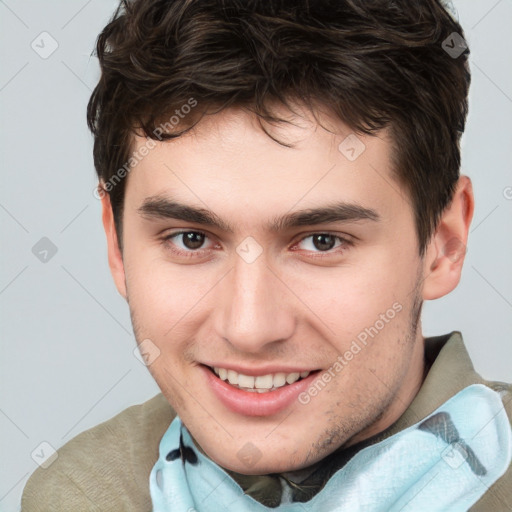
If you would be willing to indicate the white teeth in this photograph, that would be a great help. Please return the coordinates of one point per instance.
(279, 380)
(260, 384)
(245, 381)
(263, 382)
(232, 377)
(292, 377)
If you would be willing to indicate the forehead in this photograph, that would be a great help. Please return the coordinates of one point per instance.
(229, 165)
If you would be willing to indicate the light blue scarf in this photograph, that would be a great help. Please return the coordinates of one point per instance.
(447, 461)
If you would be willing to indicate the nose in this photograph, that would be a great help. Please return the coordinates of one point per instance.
(254, 310)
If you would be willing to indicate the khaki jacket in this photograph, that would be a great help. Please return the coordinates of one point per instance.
(106, 468)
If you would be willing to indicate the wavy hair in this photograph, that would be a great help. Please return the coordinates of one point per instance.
(373, 64)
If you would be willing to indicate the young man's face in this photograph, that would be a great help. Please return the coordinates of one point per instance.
(261, 296)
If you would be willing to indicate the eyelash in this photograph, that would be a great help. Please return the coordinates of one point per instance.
(191, 253)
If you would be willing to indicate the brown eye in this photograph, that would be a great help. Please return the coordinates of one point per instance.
(187, 243)
(324, 244)
(193, 239)
(323, 241)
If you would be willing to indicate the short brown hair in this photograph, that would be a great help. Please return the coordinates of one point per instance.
(372, 63)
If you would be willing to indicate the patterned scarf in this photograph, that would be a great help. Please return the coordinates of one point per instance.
(445, 462)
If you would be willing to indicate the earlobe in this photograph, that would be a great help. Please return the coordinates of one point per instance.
(447, 248)
(115, 257)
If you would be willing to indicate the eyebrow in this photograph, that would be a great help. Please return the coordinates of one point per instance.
(158, 207)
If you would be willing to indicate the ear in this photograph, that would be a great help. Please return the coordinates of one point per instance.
(447, 248)
(115, 257)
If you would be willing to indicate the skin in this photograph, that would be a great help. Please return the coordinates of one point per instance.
(297, 304)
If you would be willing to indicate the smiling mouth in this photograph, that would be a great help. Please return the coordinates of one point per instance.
(259, 384)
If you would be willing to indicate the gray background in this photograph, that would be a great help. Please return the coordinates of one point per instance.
(67, 345)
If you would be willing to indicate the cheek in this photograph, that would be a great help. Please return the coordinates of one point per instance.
(153, 295)
(170, 299)
(164, 297)
(350, 298)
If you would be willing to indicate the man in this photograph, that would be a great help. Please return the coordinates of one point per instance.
(281, 192)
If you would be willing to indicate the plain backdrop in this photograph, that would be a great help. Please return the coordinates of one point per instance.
(66, 340)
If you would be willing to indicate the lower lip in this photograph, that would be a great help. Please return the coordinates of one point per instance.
(256, 404)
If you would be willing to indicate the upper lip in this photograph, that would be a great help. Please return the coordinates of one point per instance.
(256, 372)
